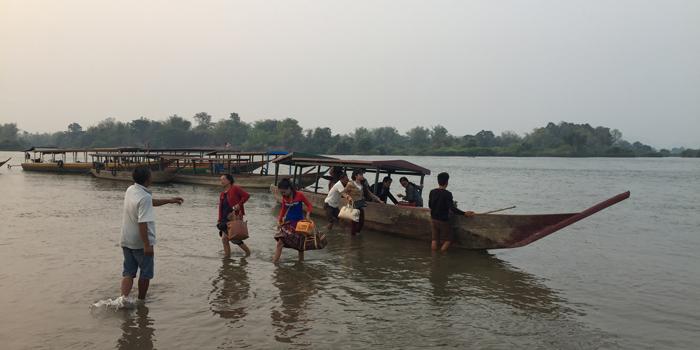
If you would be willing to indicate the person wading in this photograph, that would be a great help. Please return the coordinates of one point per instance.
(231, 200)
(358, 192)
(332, 202)
(139, 232)
(441, 205)
(294, 203)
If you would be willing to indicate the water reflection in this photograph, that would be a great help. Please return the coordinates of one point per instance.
(137, 330)
(298, 285)
(394, 269)
(230, 289)
(484, 276)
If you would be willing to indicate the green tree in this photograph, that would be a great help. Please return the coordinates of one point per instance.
(203, 121)
(440, 137)
(418, 138)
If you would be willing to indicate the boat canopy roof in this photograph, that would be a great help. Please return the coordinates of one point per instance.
(126, 155)
(242, 153)
(197, 158)
(56, 150)
(184, 150)
(396, 166)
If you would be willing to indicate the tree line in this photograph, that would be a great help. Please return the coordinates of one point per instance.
(553, 140)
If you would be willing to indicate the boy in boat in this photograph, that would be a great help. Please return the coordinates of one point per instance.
(441, 204)
(382, 190)
(414, 195)
(332, 202)
(139, 232)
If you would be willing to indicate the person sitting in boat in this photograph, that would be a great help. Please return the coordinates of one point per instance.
(357, 191)
(332, 202)
(291, 213)
(382, 190)
(414, 193)
(441, 205)
(231, 201)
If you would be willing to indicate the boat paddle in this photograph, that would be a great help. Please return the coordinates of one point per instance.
(497, 210)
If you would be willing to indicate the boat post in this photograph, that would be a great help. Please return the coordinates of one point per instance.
(318, 177)
(376, 179)
(277, 172)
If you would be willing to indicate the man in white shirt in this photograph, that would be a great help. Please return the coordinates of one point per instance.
(332, 202)
(139, 232)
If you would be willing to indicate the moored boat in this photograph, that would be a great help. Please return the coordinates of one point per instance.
(249, 168)
(481, 232)
(243, 180)
(157, 176)
(120, 166)
(63, 160)
(3, 163)
(56, 160)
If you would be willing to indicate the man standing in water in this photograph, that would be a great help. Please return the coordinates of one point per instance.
(441, 205)
(139, 232)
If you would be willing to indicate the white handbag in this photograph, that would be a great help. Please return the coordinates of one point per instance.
(348, 212)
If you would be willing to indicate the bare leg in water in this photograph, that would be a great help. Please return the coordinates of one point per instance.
(128, 283)
(301, 255)
(245, 249)
(143, 288)
(278, 252)
(445, 246)
(227, 247)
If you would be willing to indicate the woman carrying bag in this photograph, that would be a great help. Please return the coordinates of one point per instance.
(357, 193)
(291, 213)
(231, 202)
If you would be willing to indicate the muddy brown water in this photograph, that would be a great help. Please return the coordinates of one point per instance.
(628, 277)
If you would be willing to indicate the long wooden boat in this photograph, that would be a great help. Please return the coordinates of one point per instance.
(480, 232)
(121, 166)
(3, 163)
(158, 176)
(63, 160)
(205, 168)
(243, 180)
(58, 167)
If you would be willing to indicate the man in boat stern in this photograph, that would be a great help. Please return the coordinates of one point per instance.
(441, 205)
(139, 232)
(413, 196)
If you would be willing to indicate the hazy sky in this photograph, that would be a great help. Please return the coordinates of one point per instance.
(468, 65)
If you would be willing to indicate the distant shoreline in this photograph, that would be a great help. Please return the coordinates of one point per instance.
(473, 156)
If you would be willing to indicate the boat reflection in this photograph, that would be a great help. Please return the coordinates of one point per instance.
(402, 267)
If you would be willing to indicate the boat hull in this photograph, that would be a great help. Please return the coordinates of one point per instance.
(67, 168)
(243, 180)
(156, 176)
(479, 232)
(202, 169)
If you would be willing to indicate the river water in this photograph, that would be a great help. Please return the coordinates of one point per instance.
(627, 277)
